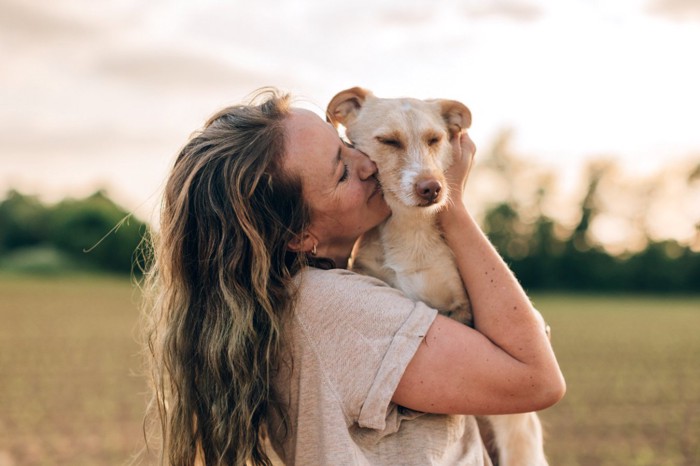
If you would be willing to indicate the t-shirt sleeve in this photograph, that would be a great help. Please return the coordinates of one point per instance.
(364, 333)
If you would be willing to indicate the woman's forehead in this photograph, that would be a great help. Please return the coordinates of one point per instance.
(310, 141)
(303, 119)
(305, 131)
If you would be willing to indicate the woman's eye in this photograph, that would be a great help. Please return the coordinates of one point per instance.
(345, 174)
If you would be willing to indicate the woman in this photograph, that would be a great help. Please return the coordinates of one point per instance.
(257, 327)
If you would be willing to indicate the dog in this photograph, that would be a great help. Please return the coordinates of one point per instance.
(410, 142)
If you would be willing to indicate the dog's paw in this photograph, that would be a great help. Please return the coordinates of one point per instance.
(461, 311)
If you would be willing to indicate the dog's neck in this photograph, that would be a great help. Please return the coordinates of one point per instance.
(410, 237)
(411, 219)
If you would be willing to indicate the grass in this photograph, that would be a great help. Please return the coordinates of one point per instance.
(71, 393)
(633, 374)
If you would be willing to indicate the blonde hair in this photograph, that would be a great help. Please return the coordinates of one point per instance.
(220, 286)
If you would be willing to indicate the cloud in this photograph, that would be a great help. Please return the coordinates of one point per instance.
(509, 9)
(677, 9)
(169, 69)
(23, 20)
(99, 43)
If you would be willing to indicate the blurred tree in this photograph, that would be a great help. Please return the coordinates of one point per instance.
(501, 226)
(580, 238)
(22, 221)
(545, 254)
(93, 232)
(96, 231)
(664, 266)
(694, 175)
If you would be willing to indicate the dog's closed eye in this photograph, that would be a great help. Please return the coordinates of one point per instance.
(433, 139)
(391, 141)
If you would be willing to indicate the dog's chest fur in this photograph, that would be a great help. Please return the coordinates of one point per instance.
(409, 253)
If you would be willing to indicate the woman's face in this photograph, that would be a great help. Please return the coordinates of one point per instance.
(338, 183)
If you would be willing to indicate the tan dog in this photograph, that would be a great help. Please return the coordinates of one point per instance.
(409, 140)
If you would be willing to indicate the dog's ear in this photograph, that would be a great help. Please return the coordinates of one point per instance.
(456, 115)
(344, 106)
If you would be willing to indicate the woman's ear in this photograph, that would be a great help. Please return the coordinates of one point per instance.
(304, 242)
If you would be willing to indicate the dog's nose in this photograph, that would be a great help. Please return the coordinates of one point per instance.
(428, 189)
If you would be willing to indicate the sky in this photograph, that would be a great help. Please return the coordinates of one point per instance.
(103, 94)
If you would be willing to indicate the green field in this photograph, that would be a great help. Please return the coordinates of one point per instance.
(71, 393)
(632, 366)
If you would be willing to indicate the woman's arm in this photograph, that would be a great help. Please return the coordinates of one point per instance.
(505, 364)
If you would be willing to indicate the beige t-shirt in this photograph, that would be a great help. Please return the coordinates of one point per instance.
(352, 337)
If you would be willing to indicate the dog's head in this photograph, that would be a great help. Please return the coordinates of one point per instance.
(408, 139)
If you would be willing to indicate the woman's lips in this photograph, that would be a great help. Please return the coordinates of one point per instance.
(377, 188)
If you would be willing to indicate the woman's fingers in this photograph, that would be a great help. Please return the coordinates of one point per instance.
(463, 150)
(468, 150)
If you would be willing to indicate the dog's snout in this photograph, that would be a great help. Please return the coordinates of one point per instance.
(428, 189)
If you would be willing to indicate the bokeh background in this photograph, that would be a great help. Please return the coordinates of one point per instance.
(588, 182)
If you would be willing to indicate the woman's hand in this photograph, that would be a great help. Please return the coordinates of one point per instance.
(463, 150)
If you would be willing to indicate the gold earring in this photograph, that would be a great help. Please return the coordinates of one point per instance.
(313, 250)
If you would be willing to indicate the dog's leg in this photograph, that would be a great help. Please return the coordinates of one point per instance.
(487, 436)
(518, 439)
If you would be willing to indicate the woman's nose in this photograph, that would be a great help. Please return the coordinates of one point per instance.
(366, 168)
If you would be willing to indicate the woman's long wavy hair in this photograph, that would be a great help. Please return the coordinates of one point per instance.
(220, 286)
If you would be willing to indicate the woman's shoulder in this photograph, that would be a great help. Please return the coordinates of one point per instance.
(339, 283)
(342, 296)
(331, 274)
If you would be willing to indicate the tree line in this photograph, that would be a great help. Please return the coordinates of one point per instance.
(89, 234)
(545, 252)
(542, 261)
